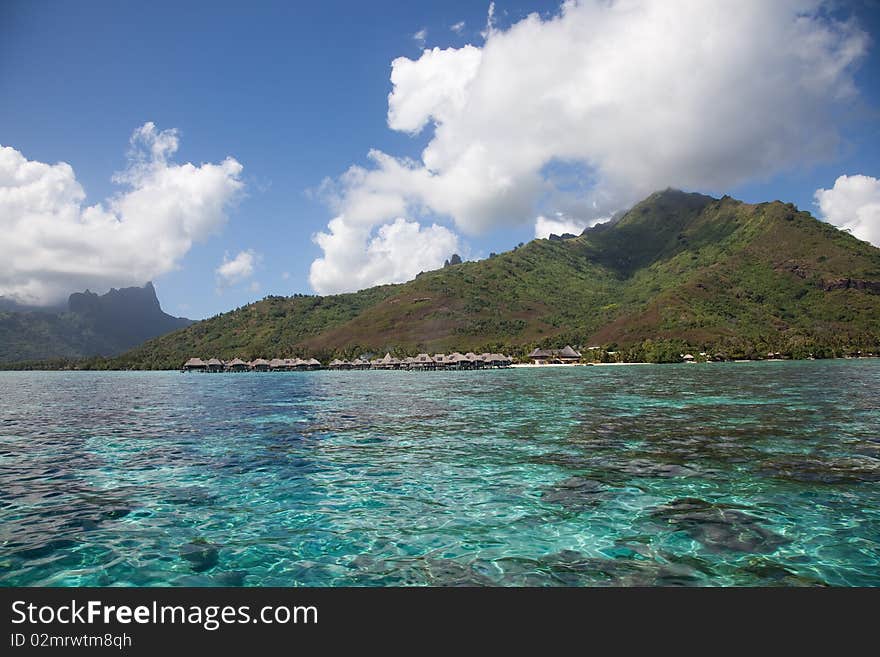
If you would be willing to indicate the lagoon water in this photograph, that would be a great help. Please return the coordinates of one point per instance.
(714, 474)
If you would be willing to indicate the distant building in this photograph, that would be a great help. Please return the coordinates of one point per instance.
(566, 355)
(195, 365)
(237, 365)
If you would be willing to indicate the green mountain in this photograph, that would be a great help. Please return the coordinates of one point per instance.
(678, 271)
(92, 325)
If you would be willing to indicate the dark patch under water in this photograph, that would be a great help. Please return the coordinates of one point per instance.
(718, 474)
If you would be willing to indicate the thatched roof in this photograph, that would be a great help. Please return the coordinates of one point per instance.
(313, 361)
(277, 362)
(215, 362)
(568, 352)
(540, 353)
(260, 361)
(195, 362)
(236, 362)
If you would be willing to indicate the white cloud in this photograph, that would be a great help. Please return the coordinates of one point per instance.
(355, 257)
(490, 22)
(420, 36)
(640, 95)
(458, 27)
(237, 269)
(433, 86)
(853, 204)
(54, 244)
(544, 226)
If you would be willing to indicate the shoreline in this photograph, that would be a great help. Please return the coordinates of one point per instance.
(10, 367)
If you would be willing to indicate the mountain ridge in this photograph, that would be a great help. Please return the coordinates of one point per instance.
(91, 325)
(677, 271)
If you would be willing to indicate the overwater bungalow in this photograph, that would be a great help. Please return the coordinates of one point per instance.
(495, 360)
(456, 361)
(237, 365)
(195, 365)
(389, 362)
(422, 362)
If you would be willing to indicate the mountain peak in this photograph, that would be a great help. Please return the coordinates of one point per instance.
(92, 324)
(137, 300)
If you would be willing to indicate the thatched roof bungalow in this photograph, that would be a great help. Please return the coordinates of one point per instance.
(195, 365)
(260, 365)
(237, 365)
(389, 362)
(568, 354)
(422, 362)
(456, 360)
(495, 360)
(215, 365)
(565, 355)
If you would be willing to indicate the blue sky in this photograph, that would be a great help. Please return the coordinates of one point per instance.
(295, 92)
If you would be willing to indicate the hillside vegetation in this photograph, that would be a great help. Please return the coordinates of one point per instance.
(89, 325)
(678, 271)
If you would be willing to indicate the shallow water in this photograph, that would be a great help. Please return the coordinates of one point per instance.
(715, 474)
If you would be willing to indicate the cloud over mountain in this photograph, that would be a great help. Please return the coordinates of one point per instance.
(53, 243)
(237, 269)
(853, 204)
(640, 94)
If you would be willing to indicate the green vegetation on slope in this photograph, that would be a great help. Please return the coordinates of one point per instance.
(108, 324)
(678, 271)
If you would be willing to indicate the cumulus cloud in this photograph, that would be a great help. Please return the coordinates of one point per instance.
(559, 225)
(355, 258)
(237, 269)
(640, 94)
(54, 244)
(853, 204)
(435, 86)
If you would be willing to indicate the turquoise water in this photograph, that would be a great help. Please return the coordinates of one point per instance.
(714, 474)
